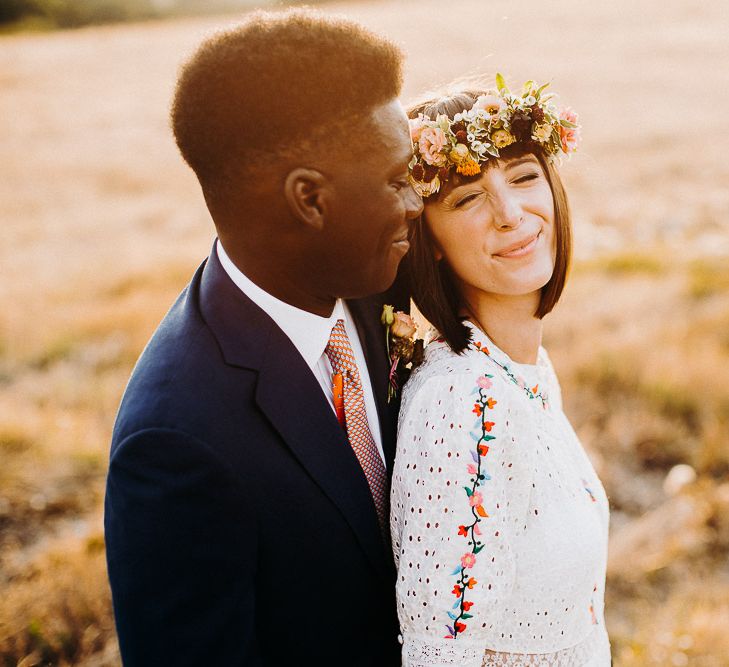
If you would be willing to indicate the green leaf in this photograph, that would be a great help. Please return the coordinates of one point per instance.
(500, 83)
(540, 89)
(566, 123)
(468, 491)
(488, 437)
(464, 616)
(477, 549)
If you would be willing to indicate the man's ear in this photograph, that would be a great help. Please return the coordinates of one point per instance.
(306, 194)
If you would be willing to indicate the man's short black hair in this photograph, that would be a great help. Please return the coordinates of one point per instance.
(277, 86)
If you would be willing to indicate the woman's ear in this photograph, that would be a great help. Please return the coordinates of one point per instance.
(306, 194)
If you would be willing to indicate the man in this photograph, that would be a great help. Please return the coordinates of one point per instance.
(246, 510)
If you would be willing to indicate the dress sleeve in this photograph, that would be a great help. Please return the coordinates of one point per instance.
(460, 496)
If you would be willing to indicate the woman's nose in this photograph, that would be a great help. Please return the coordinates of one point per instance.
(507, 209)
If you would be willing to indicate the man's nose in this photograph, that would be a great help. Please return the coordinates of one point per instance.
(507, 209)
(413, 203)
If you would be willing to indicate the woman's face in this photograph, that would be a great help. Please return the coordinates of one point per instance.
(496, 233)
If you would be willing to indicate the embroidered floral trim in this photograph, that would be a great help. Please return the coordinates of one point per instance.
(592, 606)
(589, 491)
(481, 435)
(531, 392)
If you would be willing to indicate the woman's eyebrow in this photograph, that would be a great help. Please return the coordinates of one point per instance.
(519, 161)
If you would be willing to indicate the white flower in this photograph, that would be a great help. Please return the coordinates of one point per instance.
(542, 132)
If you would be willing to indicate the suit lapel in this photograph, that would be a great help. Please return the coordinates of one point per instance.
(290, 397)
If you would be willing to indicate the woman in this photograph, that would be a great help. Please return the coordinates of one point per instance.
(499, 522)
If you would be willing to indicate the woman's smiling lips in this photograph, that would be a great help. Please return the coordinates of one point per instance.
(520, 248)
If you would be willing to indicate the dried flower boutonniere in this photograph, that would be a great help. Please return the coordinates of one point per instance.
(404, 351)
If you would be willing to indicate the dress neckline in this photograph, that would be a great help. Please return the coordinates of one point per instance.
(531, 378)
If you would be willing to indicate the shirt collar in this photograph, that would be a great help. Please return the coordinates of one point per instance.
(308, 332)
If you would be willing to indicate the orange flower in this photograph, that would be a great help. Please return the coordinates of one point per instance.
(488, 426)
(467, 606)
(535, 389)
(481, 511)
(483, 450)
(477, 409)
(471, 583)
(462, 530)
(460, 627)
(457, 590)
(469, 167)
(491, 402)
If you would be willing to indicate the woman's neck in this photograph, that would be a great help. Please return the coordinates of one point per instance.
(510, 323)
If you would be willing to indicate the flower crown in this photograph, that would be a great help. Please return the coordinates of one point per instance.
(497, 119)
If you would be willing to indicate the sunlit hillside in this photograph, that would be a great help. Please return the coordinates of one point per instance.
(102, 225)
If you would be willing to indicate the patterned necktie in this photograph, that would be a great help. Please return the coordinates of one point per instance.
(360, 437)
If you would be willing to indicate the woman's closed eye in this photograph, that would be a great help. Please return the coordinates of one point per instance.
(465, 199)
(525, 178)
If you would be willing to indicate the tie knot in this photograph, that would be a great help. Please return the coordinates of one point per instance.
(339, 350)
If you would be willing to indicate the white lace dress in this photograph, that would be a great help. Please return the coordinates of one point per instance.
(499, 522)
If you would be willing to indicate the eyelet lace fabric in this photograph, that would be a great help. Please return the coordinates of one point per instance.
(499, 521)
(590, 652)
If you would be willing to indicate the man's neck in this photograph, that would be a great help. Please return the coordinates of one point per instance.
(282, 286)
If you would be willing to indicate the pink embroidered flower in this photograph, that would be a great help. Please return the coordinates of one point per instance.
(472, 469)
(484, 382)
(521, 381)
(475, 499)
(468, 560)
(431, 143)
(476, 529)
(569, 136)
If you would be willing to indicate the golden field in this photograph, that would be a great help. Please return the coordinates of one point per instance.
(102, 225)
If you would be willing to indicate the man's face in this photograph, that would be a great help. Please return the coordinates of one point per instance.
(367, 224)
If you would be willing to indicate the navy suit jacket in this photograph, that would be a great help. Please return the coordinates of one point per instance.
(240, 529)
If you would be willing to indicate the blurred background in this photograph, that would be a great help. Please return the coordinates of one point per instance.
(102, 225)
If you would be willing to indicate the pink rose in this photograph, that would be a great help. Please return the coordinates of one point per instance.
(403, 325)
(570, 136)
(484, 382)
(468, 560)
(475, 499)
(431, 143)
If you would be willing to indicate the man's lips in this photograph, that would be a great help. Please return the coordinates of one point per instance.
(520, 248)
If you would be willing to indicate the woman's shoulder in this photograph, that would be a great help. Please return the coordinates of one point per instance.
(456, 375)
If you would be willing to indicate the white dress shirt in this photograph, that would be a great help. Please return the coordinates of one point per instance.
(310, 334)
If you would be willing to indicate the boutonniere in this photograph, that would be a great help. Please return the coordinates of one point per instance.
(404, 351)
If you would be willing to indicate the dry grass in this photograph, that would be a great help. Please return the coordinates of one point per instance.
(103, 225)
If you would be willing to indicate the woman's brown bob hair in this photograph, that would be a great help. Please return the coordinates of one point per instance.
(433, 287)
